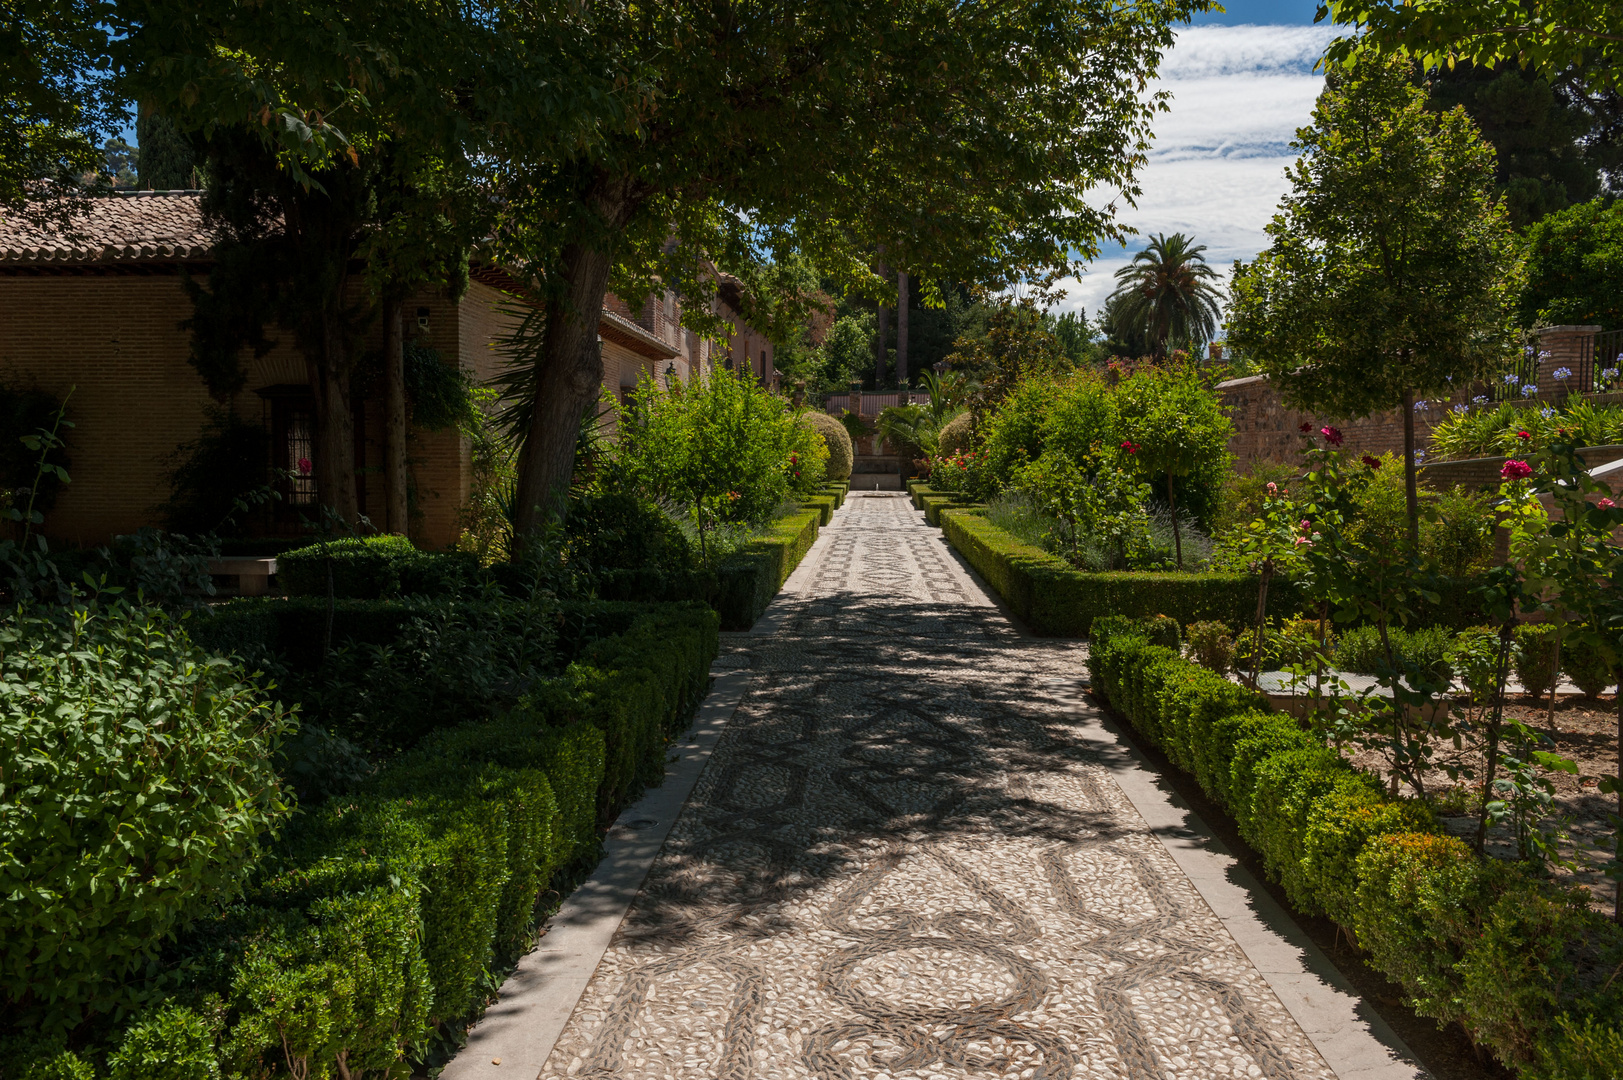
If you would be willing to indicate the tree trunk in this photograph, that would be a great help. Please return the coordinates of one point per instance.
(569, 380)
(1411, 494)
(1262, 619)
(1617, 841)
(1501, 672)
(334, 419)
(901, 328)
(1177, 535)
(394, 417)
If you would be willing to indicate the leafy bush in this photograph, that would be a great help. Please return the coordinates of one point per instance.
(750, 578)
(1212, 644)
(1360, 650)
(1473, 656)
(1534, 657)
(619, 531)
(373, 567)
(957, 435)
(1289, 643)
(1586, 667)
(171, 1043)
(125, 813)
(841, 454)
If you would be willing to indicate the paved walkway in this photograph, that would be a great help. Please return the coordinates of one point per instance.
(916, 853)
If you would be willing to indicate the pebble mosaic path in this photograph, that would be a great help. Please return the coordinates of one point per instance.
(902, 861)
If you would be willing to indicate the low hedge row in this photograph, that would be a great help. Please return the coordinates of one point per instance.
(750, 578)
(380, 914)
(1054, 598)
(837, 491)
(368, 568)
(1523, 965)
(825, 505)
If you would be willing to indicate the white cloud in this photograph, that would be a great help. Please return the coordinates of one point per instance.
(1217, 166)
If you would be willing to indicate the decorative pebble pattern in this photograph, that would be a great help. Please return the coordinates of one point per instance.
(901, 863)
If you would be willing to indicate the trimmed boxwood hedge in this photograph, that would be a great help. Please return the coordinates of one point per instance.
(1521, 963)
(380, 913)
(749, 579)
(1053, 598)
(372, 567)
(825, 505)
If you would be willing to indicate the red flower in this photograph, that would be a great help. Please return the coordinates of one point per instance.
(1130, 446)
(1606, 504)
(304, 466)
(1524, 435)
(1307, 428)
(1372, 462)
(1516, 470)
(1331, 436)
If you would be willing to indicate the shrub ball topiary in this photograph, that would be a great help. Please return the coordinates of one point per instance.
(1534, 657)
(957, 434)
(1585, 666)
(840, 451)
(1212, 644)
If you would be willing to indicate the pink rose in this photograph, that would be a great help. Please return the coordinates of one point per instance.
(1606, 504)
(1273, 488)
(1515, 470)
(304, 466)
(1331, 436)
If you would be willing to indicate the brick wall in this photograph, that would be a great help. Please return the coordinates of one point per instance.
(116, 338)
(1266, 429)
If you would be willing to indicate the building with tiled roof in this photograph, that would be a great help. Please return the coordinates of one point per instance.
(100, 307)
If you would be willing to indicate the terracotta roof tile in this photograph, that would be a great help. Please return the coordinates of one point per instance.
(139, 226)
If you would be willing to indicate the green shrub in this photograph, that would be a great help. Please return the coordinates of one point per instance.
(749, 579)
(1052, 598)
(124, 813)
(1338, 828)
(1413, 913)
(957, 434)
(1586, 667)
(170, 1043)
(1212, 644)
(1473, 657)
(360, 568)
(1289, 786)
(1290, 643)
(1260, 740)
(1534, 657)
(1360, 650)
(619, 531)
(28, 1058)
(840, 450)
(1580, 1049)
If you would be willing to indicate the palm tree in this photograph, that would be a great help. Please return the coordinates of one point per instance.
(1168, 292)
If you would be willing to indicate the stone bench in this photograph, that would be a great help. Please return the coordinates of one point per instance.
(252, 574)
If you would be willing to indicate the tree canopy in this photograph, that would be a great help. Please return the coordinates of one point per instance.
(1168, 294)
(1575, 268)
(960, 139)
(1392, 268)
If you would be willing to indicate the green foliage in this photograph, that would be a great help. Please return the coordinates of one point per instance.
(1428, 648)
(720, 449)
(171, 1043)
(1587, 666)
(1575, 268)
(836, 439)
(127, 813)
(1097, 508)
(1392, 209)
(372, 567)
(619, 531)
(441, 395)
(957, 435)
(750, 578)
(1212, 644)
(1472, 655)
(1017, 346)
(1534, 657)
(1167, 294)
(25, 413)
(1054, 598)
(166, 161)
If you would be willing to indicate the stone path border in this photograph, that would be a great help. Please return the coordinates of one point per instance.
(518, 1033)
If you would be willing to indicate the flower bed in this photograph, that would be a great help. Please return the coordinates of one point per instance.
(1052, 597)
(1521, 964)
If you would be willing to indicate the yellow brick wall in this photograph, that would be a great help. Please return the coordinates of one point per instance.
(117, 339)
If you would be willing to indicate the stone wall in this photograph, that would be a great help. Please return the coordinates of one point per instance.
(1266, 429)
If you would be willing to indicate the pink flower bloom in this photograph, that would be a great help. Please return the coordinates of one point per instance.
(1516, 470)
(1273, 488)
(304, 466)
(1371, 462)
(1606, 504)
(1331, 436)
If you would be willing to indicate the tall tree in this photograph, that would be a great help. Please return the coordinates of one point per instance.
(756, 133)
(429, 94)
(902, 299)
(57, 108)
(1392, 267)
(1541, 130)
(1168, 292)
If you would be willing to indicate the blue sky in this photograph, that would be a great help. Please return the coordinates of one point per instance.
(1242, 83)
